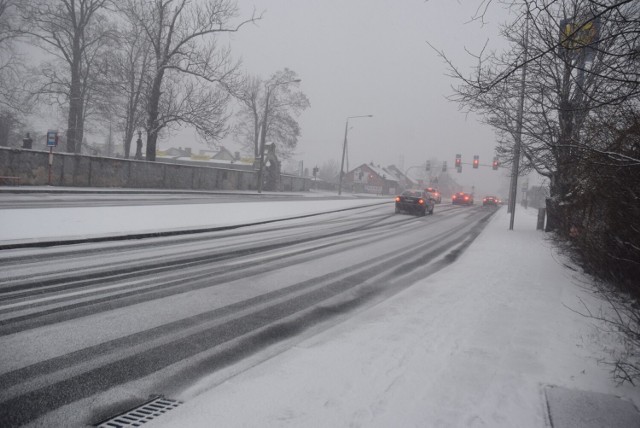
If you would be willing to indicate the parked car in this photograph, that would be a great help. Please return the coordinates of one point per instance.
(436, 194)
(415, 201)
(490, 201)
(462, 198)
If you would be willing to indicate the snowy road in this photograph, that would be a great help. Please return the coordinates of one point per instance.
(87, 330)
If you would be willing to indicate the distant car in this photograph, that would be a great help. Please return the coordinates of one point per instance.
(490, 201)
(415, 201)
(462, 198)
(436, 194)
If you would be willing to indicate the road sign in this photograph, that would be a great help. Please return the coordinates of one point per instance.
(52, 138)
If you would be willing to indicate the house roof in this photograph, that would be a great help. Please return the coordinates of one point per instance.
(383, 172)
(398, 173)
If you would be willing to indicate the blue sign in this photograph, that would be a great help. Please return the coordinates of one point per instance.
(52, 138)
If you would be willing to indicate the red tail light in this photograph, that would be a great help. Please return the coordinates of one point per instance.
(421, 201)
(466, 198)
(397, 198)
(453, 197)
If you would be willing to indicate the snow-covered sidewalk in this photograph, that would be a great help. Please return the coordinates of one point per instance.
(473, 345)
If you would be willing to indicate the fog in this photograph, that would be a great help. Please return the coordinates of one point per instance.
(372, 57)
(369, 57)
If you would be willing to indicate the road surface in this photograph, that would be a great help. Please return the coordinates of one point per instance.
(87, 331)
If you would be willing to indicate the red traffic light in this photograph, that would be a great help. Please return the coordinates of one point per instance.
(476, 161)
(495, 163)
(458, 161)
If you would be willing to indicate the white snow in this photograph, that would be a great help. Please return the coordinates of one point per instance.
(19, 225)
(473, 345)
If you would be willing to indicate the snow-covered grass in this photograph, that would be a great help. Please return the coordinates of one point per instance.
(473, 345)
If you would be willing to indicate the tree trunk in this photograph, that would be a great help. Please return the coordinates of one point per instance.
(75, 119)
(152, 120)
(562, 181)
(128, 137)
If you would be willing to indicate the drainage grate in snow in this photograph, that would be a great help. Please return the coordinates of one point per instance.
(141, 414)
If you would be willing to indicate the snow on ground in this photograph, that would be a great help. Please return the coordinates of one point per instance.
(476, 344)
(52, 223)
(473, 345)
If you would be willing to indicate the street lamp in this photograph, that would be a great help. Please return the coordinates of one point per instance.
(263, 135)
(344, 149)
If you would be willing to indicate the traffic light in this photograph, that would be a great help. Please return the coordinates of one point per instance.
(476, 161)
(315, 171)
(495, 163)
(458, 161)
(428, 166)
(444, 166)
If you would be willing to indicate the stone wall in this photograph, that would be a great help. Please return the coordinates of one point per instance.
(32, 167)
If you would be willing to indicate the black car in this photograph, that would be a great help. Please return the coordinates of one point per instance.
(416, 202)
(462, 198)
(490, 201)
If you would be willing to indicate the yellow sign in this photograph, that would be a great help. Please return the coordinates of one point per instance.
(577, 35)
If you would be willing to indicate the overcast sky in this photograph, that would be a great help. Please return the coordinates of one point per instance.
(361, 57)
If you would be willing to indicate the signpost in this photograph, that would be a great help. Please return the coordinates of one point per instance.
(52, 141)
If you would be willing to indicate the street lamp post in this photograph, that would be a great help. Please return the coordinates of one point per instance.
(344, 149)
(263, 135)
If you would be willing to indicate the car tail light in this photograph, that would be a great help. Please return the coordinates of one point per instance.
(397, 198)
(466, 198)
(421, 201)
(453, 197)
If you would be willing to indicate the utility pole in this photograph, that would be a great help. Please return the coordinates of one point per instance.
(515, 169)
(344, 150)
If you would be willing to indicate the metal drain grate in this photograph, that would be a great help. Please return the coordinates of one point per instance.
(141, 414)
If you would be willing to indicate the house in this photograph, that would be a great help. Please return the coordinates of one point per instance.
(221, 154)
(175, 153)
(221, 158)
(404, 181)
(370, 178)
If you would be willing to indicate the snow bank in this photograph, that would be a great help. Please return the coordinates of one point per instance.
(81, 222)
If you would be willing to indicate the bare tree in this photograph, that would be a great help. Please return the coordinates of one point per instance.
(573, 71)
(12, 91)
(130, 76)
(15, 101)
(182, 35)
(329, 171)
(282, 104)
(247, 128)
(581, 128)
(74, 32)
